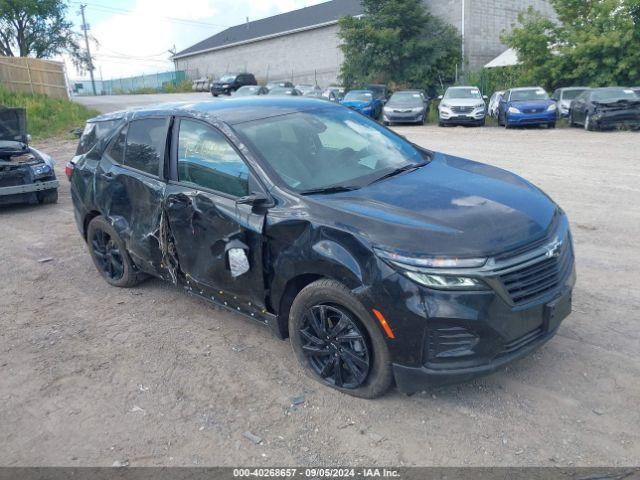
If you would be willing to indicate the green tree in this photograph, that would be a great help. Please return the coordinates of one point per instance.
(400, 43)
(594, 43)
(37, 28)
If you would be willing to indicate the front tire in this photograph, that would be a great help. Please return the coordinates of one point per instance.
(110, 256)
(588, 123)
(337, 342)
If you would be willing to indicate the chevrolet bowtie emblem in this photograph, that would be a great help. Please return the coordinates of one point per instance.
(553, 249)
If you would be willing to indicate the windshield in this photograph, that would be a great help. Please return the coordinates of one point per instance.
(327, 148)
(406, 98)
(358, 97)
(462, 93)
(227, 78)
(13, 124)
(613, 95)
(529, 94)
(571, 94)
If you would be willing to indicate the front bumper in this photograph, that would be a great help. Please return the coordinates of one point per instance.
(409, 117)
(30, 188)
(221, 90)
(450, 117)
(617, 119)
(531, 118)
(444, 337)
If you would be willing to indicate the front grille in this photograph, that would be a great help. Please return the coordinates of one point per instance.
(520, 342)
(462, 109)
(535, 280)
(534, 110)
(14, 177)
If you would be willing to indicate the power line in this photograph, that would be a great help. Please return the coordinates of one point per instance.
(123, 11)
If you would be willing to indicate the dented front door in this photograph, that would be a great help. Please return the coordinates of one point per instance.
(217, 242)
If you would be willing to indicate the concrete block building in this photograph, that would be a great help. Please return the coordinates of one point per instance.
(303, 45)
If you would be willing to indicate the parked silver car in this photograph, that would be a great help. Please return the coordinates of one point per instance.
(564, 97)
(494, 104)
(462, 106)
(409, 106)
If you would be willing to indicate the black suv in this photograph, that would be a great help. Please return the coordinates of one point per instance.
(380, 260)
(229, 83)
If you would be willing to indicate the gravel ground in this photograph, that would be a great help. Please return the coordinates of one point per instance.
(92, 375)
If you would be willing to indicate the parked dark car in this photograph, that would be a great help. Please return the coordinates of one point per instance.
(281, 84)
(334, 94)
(250, 90)
(380, 260)
(26, 174)
(284, 92)
(380, 92)
(606, 108)
(527, 106)
(563, 98)
(363, 101)
(409, 106)
(229, 83)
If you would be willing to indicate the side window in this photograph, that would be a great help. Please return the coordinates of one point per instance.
(146, 142)
(116, 148)
(206, 160)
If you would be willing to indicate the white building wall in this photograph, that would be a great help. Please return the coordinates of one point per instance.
(300, 57)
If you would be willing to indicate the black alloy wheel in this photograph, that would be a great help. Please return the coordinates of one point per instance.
(108, 255)
(335, 346)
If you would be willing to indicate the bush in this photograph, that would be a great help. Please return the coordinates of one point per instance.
(47, 116)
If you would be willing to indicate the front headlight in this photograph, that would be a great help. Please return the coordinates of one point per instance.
(446, 282)
(41, 170)
(416, 110)
(514, 110)
(226, 85)
(480, 105)
(423, 270)
(552, 108)
(444, 105)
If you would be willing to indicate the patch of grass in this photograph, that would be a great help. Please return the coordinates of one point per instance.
(46, 116)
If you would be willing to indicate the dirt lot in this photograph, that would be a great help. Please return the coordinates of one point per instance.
(91, 374)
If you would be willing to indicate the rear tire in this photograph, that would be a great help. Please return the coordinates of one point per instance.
(110, 256)
(48, 196)
(334, 302)
(551, 125)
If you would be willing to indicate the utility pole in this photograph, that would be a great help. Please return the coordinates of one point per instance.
(85, 29)
(463, 32)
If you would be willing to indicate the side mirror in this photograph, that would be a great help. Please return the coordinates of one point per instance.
(28, 138)
(485, 97)
(254, 199)
(440, 97)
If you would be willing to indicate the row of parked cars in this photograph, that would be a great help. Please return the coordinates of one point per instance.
(591, 108)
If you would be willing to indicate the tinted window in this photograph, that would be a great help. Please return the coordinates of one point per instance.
(146, 141)
(205, 159)
(613, 95)
(116, 148)
(94, 132)
(571, 94)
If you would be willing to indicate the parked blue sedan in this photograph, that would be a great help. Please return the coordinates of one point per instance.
(527, 106)
(363, 101)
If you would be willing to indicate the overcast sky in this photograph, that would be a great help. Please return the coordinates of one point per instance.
(134, 35)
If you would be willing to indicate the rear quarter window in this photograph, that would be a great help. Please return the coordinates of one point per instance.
(93, 133)
(146, 141)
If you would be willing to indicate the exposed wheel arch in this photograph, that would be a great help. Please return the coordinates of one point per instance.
(291, 290)
(87, 220)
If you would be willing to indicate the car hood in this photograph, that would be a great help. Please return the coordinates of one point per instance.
(462, 102)
(526, 104)
(355, 104)
(451, 207)
(13, 124)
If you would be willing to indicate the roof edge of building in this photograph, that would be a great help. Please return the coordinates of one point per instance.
(255, 39)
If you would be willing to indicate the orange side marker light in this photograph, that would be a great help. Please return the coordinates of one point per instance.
(384, 324)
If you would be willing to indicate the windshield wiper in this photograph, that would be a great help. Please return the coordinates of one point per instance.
(398, 171)
(334, 189)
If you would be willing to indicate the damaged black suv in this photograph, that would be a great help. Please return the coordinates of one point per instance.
(26, 174)
(380, 260)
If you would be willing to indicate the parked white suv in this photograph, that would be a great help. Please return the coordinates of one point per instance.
(462, 106)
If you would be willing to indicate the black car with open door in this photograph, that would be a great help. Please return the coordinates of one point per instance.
(380, 260)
